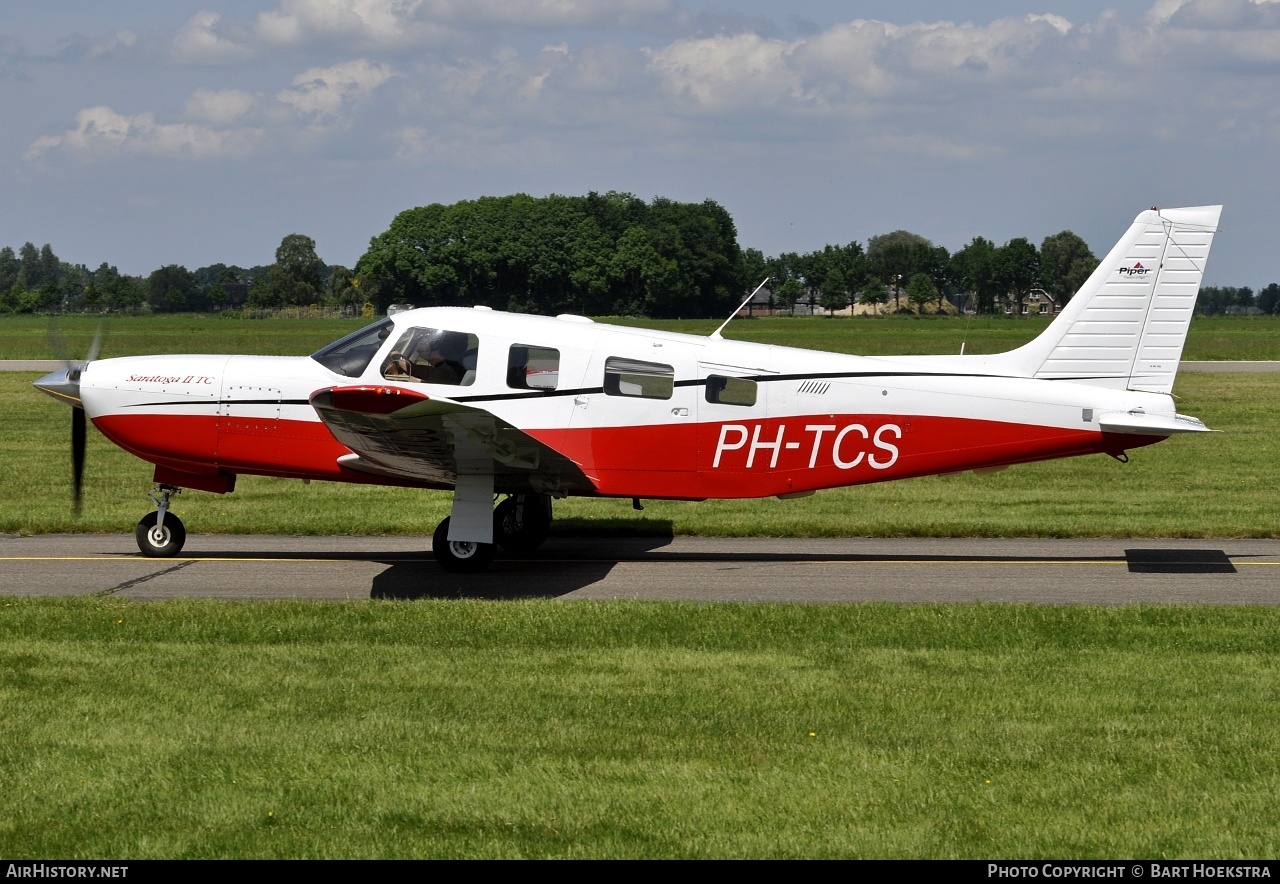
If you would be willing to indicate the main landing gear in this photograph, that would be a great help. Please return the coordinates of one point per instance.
(520, 525)
(161, 534)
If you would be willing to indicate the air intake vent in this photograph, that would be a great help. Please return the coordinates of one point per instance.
(814, 388)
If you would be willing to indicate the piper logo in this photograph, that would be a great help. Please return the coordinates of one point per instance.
(1136, 270)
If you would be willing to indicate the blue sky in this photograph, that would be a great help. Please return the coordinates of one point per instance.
(144, 133)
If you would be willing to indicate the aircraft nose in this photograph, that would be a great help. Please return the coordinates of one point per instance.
(63, 385)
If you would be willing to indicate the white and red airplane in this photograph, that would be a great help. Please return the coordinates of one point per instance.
(488, 403)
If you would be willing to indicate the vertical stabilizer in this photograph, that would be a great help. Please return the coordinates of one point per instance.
(1126, 326)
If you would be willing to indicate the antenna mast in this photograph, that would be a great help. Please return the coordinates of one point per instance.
(715, 335)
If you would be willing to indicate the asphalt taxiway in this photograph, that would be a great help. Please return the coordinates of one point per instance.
(814, 571)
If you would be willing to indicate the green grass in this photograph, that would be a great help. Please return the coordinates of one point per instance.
(552, 729)
(1221, 485)
(29, 337)
(36, 337)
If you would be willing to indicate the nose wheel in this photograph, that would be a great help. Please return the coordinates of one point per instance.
(161, 534)
(160, 541)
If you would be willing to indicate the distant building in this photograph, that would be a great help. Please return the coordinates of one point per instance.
(1038, 301)
(761, 304)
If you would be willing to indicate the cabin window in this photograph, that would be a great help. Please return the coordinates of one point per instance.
(530, 367)
(731, 391)
(433, 356)
(631, 377)
(352, 354)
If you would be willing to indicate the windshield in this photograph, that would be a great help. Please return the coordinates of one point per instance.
(351, 355)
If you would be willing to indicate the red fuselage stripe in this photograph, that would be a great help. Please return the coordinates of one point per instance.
(692, 461)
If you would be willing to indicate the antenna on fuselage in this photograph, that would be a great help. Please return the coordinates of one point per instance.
(715, 335)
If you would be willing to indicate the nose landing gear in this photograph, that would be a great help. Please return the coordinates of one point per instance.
(161, 534)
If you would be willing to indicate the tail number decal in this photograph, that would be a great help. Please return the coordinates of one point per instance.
(846, 446)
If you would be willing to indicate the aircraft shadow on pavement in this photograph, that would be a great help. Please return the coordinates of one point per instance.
(1178, 561)
(547, 575)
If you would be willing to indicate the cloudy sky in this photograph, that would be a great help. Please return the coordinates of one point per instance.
(148, 132)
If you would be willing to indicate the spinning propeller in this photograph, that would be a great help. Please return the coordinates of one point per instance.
(64, 385)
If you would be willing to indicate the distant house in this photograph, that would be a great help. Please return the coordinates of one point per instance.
(761, 304)
(1038, 301)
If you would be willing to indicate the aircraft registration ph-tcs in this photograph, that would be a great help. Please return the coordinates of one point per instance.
(535, 408)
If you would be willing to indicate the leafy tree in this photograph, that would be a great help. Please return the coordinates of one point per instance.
(297, 277)
(130, 295)
(589, 248)
(1269, 299)
(1219, 300)
(31, 272)
(789, 294)
(896, 257)
(1018, 270)
(875, 293)
(598, 254)
(10, 269)
(344, 287)
(173, 289)
(921, 290)
(643, 273)
(1065, 263)
(834, 292)
(976, 269)
(50, 267)
(754, 268)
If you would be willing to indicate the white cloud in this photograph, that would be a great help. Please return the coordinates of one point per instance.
(198, 42)
(848, 64)
(727, 72)
(324, 90)
(103, 130)
(385, 22)
(398, 23)
(220, 107)
(1214, 33)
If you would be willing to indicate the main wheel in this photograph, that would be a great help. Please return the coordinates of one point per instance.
(460, 556)
(521, 523)
(162, 542)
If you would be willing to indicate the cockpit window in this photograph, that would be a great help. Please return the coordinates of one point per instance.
(351, 355)
(433, 356)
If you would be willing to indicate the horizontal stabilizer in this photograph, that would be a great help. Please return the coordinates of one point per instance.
(1141, 424)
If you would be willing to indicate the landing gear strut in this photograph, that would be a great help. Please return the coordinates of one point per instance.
(521, 522)
(520, 525)
(161, 534)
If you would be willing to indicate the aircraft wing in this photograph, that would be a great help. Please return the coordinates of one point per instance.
(400, 433)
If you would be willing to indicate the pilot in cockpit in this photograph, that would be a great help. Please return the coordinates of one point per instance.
(433, 356)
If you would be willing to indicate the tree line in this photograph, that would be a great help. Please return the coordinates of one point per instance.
(36, 281)
(599, 254)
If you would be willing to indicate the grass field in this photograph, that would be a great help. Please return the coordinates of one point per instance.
(610, 730)
(29, 337)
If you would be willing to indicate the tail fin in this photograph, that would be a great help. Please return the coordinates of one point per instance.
(1126, 326)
